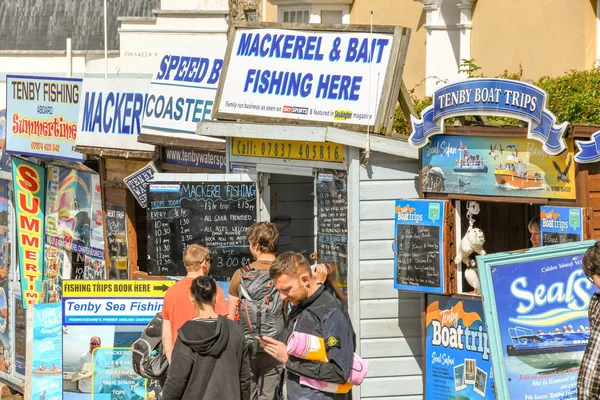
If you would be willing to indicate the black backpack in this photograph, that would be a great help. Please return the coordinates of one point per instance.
(261, 308)
(149, 359)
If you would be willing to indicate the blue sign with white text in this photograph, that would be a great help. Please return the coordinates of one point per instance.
(589, 150)
(46, 380)
(543, 324)
(560, 225)
(418, 246)
(194, 158)
(491, 96)
(457, 350)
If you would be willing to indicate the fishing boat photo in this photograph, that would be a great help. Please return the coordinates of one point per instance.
(514, 173)
(552, 350)
(469, 162)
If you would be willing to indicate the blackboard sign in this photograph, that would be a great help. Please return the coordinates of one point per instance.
(214, 214)
(419, 246)
(332, 224)
(560, 225)
(116, 236)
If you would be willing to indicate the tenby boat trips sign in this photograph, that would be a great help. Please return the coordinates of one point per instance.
(496, 97)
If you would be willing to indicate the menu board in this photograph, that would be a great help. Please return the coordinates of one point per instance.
(214, 214)
(116, 235)
(332, 224)
(418, 246)
(561, 225)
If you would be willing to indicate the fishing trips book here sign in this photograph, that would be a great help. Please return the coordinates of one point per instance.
(536, 311)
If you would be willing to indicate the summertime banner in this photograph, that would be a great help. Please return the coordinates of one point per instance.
(536, 312)
(42, 116)
(512, 167)
(457, 349)
(29, 209)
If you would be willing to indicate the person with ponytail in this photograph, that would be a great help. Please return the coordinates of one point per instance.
(210, 359)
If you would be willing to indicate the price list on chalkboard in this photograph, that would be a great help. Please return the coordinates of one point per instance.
(332, 221)
(214, 214)
(418, 246)
(418, 258)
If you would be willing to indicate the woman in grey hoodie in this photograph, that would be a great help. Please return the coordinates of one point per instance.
(210, 358)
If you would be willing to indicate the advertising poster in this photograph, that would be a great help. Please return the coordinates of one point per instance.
(41, 114)
(183, 90)
(74, 211)
(418, 246)
(20, 337)
(116, 235)
(560, 225)
(5, 356)
(111, 113)
(29, 210)
(319, 76)
(101, 321)
(458, 363)
(46, 356)
(5, 165)
(513, 167)
(538, 305)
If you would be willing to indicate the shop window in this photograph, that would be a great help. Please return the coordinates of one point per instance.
(504, 226)
(332, 16)
(294, 15)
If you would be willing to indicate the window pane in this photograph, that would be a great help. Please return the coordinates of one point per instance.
(292, 16)
(306, 17)
(331, 16)
(286, 16)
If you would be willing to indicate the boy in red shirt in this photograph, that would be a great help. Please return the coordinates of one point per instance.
(177, 306)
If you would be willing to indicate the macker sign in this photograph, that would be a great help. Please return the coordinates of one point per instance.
(324, 76)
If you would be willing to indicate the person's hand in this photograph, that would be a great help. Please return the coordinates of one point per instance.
(320, 273)
(331, 271)
(274, 348)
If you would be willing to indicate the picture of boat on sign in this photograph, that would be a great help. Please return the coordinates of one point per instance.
(469, 162)
(514, 173)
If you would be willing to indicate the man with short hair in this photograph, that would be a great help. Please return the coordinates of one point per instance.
(177, 306)
(315, 312)
(85, 385)
(263, 238)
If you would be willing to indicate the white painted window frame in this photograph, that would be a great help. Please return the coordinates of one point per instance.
(302, 7)
(315, 17)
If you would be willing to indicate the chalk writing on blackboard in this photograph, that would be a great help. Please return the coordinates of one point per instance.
(418, 255)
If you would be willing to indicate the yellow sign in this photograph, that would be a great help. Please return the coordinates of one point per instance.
(116, 288)
(288, 149)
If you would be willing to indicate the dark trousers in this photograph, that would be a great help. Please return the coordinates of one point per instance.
(265, 371)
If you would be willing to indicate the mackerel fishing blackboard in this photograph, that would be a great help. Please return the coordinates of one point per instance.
(214, 214)
(419, 250)
(332, 225)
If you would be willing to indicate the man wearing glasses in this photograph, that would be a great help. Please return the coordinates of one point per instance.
(85, 385)
(177, 306)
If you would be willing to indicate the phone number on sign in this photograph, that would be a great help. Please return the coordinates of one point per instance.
(51, 147)
(316, 151)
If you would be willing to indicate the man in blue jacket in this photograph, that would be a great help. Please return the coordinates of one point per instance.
(316, 312)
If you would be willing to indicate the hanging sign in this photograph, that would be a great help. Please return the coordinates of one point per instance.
(561, 225)
(42, 116)
(457, 350)
(321, 76)
(138, 181)
(111, 113)
(491, 96)
(536, 311)
(29, 209)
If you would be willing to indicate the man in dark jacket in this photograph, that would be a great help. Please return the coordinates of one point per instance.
(210, 361)
(315, 312)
